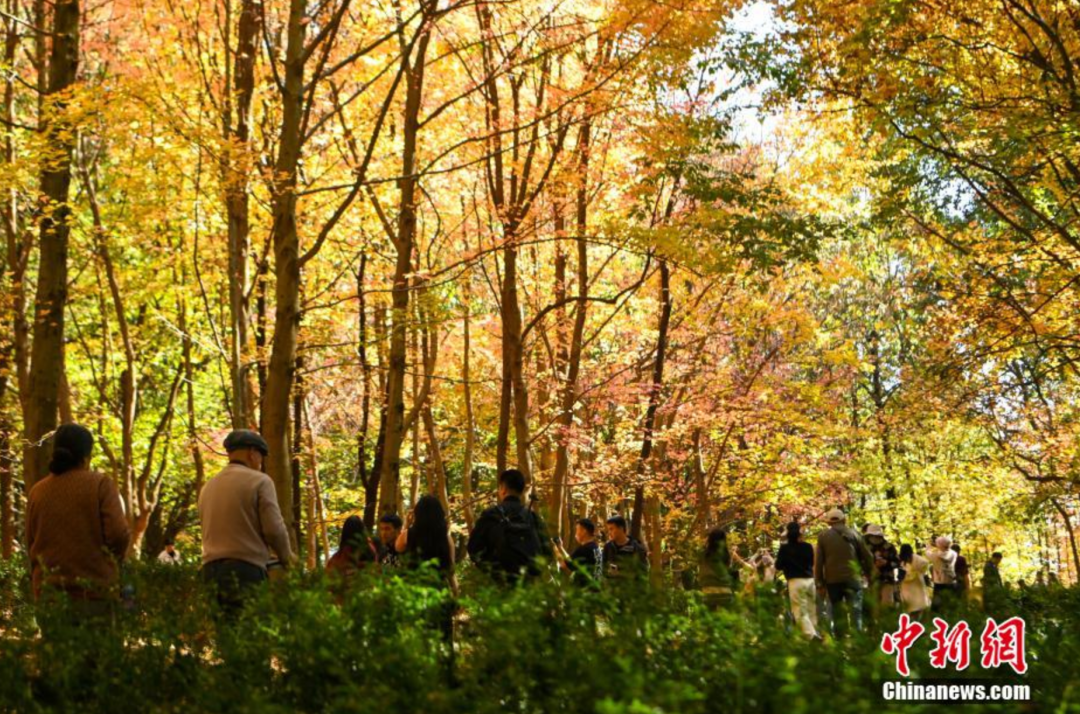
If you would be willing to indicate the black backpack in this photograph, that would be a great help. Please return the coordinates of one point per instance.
(517, 543)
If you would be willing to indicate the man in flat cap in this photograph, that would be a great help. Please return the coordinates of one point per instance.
(241, 523)
(841, 566)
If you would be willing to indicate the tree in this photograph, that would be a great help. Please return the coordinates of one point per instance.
(50, 297)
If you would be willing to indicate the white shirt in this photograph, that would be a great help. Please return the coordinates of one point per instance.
(943, 564)
(169, 558)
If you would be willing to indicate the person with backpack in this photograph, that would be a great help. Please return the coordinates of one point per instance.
(842, 566)
(624, 557)
(509, 537)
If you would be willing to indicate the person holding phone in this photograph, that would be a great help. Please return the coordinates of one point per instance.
(586, 563)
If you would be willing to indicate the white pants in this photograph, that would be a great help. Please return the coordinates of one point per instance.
(803, 595)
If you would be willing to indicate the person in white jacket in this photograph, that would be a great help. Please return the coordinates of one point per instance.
(169, 556)
(914, 594)
(943, 569)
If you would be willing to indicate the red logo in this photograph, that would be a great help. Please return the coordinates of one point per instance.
(1001, 644)
(900, 642)
(952, 645)
(1004, 644)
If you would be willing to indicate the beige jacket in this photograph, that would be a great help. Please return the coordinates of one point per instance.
(241, 519)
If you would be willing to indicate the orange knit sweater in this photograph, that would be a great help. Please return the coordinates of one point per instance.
(76, 533)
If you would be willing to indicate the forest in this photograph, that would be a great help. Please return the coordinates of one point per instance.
(698, 263)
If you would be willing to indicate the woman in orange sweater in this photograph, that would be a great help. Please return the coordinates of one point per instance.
(76, 530)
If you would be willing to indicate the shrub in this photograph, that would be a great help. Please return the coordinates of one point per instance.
(543, 648)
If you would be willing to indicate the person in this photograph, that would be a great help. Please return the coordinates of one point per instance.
(914, 594)
(963, 574)
(586, 563)
(169, 556)
(624, 557)
(943, 572)
(241, 523)
(795, 560)
(761, 570)
(716, 575)
(992, 584)
(354, 554)
(841, 565)
(886, 567)
(426, 539)
(76, 532)
(389, 529)
(509, 537)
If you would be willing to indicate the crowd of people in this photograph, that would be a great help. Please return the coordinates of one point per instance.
(77, 534)
(851, 576)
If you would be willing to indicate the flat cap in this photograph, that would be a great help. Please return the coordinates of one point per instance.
(246, 439)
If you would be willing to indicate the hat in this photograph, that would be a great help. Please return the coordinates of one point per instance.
(246, 439)
(944, 542)
(873, 530)
(835, 516)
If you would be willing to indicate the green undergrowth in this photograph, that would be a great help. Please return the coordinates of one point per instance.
(544, 648)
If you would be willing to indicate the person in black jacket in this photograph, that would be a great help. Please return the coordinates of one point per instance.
(796, 561)
(508, 538)
(586, 563)
(624, 557)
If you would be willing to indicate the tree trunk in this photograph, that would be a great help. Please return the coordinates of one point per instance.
(286, 243)
(236, 168)
(260, 331)
(1069, 529)
(363, 473)
(390, 460)
(7, 489)
(189, 382)
(701, 489)
(655, 540)
(371, 486)
(414, 474)
(436, 460)
(654, 397)
(9, 215)
(296, 468)
(319, 524)
(470, 436)
(128, 380)
(515, 392)
(573, 356)
(47, 348)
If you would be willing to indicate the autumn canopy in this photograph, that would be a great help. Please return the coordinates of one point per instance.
(697, 263)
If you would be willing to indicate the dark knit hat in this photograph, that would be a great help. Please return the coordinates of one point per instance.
(71, 444)
(246, 439)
